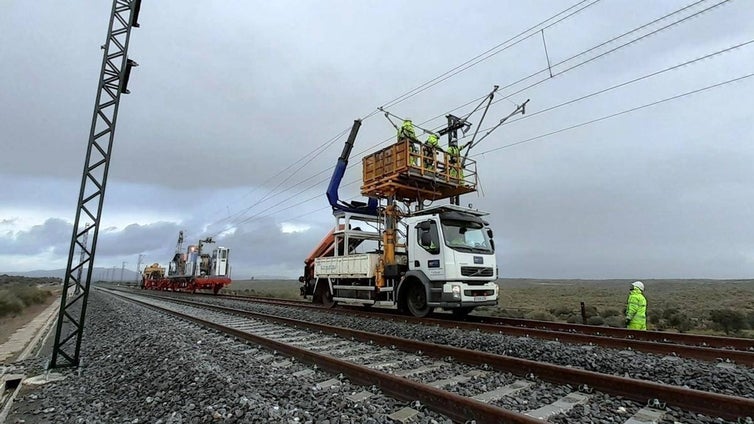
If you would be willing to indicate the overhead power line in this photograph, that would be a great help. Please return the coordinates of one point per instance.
(613, 115)
(534, 30)
(625, 83)
(626, 44)
(582, 53)
(487, 54)
(581, 98)
(591, 49)
(311, 156)
(454, 71)
(541, 136)
(271, 195)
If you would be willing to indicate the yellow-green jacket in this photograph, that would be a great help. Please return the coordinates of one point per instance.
(636, 310)
(407, 131)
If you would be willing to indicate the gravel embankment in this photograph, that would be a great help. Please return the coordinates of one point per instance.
(140, 366)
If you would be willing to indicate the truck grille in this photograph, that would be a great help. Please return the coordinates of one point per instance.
(477, 271)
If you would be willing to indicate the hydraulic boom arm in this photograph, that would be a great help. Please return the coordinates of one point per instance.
(369, 208)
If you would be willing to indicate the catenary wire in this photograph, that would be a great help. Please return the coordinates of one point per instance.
(535, 29)
(568, 69)
(454, 71)
(613, 115)
(719, 52)
(582, 124)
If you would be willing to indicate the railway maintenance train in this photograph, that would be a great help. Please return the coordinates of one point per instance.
(191, 271)
(386, 252)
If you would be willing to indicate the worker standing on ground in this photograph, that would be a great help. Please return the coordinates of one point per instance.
(636, 307)
(430, 151)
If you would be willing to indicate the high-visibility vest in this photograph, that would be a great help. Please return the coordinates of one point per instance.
(636, 310)
(407, 130)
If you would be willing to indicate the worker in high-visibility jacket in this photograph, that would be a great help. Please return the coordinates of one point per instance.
(636, 307)
(454, 162)
(430, 151)
(406, 131)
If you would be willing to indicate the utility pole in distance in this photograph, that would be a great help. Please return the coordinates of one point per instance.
(122, 268)
(138, 268)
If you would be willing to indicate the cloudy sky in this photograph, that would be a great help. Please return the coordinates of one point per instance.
(229, 128)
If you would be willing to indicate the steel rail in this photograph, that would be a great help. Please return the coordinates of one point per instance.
(457, 407)
(688, 351)
(656, 336)
(713, 404)
(706, 348)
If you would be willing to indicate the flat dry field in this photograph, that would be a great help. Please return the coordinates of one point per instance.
(560, 299)
(691, 296)
(533, 295)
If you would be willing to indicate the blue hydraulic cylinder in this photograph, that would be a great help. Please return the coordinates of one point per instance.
(370, 208)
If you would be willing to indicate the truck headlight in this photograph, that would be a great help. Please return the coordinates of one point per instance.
(456, 289)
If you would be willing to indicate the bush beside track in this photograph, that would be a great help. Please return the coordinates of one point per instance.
(18, 293)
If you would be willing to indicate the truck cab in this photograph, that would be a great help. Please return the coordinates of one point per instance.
(451, 256)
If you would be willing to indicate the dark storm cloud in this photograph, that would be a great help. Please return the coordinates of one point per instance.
(52, 236)
(262, 248)
(135, 238)
(228, 94)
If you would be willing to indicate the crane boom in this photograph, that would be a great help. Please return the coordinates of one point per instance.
(369, 208)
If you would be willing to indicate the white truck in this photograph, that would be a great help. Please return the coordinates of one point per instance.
(414, 257)
(444, 258)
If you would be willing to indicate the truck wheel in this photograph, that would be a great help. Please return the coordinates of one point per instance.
(323, 296)
(416, 300)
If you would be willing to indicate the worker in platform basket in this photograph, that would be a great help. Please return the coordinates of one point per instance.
(454, 161)
(430, 151)
(407, 131)
(636, 307)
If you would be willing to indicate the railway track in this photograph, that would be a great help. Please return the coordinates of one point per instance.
(707, 348)
(441, 376)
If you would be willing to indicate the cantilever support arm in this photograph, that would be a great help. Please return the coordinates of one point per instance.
(519, 109)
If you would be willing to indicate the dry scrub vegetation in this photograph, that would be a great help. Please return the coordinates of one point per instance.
(699, 306)
(702, 306)
(18, 293)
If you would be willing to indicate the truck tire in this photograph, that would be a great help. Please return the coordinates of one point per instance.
(416, 300)
(323, 296)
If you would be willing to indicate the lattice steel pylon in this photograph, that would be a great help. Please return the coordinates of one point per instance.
(116, 69)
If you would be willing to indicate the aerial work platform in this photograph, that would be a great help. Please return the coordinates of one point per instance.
(411, 171)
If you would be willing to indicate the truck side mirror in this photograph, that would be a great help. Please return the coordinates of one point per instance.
(426, 238)
(489, 233)
(424, 226)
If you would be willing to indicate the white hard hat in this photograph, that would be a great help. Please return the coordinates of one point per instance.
(638, 284)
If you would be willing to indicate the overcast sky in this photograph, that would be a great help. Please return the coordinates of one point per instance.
(230, 93)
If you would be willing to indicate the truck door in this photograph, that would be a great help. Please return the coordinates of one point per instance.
(425, 251)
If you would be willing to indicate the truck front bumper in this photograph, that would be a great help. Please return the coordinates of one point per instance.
(459, 295)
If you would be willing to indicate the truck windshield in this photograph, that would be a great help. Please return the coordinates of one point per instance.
(466, 236)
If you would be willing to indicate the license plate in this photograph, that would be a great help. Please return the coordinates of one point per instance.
(479, 298)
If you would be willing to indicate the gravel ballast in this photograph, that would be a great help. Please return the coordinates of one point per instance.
(141, 366)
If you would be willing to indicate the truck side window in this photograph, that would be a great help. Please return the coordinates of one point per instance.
(428, 237)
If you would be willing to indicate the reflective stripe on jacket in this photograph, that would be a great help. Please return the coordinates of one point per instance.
(636, 310)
